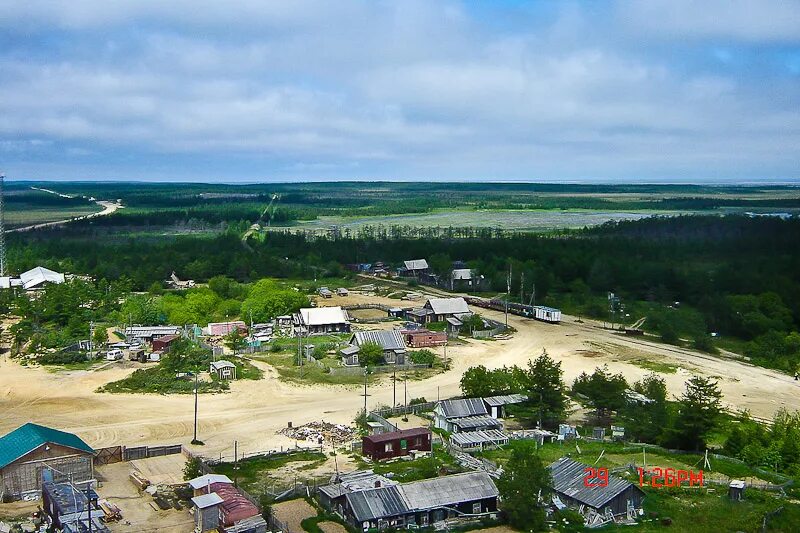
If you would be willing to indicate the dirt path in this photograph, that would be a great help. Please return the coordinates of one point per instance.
(254, 410)
(108, 208)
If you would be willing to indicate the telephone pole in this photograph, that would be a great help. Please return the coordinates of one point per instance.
(3, 265)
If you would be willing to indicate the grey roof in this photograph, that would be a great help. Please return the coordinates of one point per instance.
(356, 481)
(419, 311)
(507, 399)
(217, 365)
(416, 264)
(469, 439)
(372, 504)
(448, 306)
(150, 331)
(207, 500)
(453, 321)
(479, 421)
(386, 339)
(463, 407)
(568, 480)
(38, 275)
(349, 350)
(449, 490)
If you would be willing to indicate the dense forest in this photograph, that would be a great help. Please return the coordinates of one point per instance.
(735, 276)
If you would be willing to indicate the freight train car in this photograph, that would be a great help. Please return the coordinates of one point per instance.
(538, 312)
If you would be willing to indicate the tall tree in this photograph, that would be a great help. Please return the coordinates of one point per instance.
(698, 413)
(646, 422)
(545, 388)
(524, 480)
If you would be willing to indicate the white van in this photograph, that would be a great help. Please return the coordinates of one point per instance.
(114, 355)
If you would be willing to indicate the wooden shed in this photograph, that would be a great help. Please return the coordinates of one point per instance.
(396, 443)
(423, 338)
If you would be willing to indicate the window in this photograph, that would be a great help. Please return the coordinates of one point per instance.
(403, 444)
(476, 508)
(388, 448)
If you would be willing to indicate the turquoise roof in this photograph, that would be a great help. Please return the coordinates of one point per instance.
(27, 438)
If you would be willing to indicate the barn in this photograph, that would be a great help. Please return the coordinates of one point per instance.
(29, 450)
(396, 443)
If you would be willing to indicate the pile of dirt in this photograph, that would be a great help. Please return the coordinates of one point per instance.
(321, 433)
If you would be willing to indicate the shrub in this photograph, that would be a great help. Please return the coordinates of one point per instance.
(422, 357)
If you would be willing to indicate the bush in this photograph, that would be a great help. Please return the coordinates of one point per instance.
(62, 358)
(422, 357)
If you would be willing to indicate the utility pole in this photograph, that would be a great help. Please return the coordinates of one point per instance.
(91, 339)
(194, 440)
(3, 265)
(522, 287)
(365, 393)
(394, 385)
(508, 292)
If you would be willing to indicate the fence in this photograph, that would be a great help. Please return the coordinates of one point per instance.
(358, 370)
(387, 426)
(117, 454)
(415, 409)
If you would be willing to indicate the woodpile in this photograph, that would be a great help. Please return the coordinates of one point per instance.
(321, 433)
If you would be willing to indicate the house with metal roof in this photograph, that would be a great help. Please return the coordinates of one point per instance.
(465, 414)
(392, 342)
(37, 277)
(332, 496)
(396, 443)
(423, 503)
(321, 320)
(444, 308)
(31, 449)
(414, 267)
(222, 369)
(149, 333)
(497, 404)
(600, 504)
(200, 484)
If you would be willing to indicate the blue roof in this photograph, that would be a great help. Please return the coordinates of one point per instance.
(27, 438)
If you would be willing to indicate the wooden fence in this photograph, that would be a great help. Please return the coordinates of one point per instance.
(385, 369)
(118, 454)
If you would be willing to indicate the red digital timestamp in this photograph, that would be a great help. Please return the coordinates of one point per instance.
(598, 477)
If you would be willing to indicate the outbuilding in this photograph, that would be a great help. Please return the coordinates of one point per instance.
(163, 344)
(423, 338)
(396, 443)
(31, 449)
(223, 369)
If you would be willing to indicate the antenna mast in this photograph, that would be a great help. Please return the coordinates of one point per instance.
(3, 265)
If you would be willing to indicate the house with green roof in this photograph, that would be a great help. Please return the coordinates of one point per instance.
(32, 450)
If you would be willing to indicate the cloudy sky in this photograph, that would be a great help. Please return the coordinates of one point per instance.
(251, 90)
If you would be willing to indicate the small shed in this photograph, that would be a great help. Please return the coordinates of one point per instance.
(206, 512)
(497, 404)
(736, 490)
(223, 369)
(422, 338)
(396, 443)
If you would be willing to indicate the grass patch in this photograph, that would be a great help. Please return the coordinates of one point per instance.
(654, 366)
(256, 470)
(416, 469)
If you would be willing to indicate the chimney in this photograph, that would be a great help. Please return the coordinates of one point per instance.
(377, 483)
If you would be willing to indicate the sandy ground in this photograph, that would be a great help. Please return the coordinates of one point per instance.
(332, 527)
(292, 513)
(254, 410)
(139, 513)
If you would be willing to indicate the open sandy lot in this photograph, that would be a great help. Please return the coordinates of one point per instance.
(254, 410)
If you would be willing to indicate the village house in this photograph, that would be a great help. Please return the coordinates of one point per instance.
(496, 405)
(439, 310)
(465, 279)
(619, 500)
(414, 268)
(466, 414)
(220, 329)
(31, 449)
(422, 503)
(332, 496)
(391, 341)
(321, 320)
(146, 334)
(396, 443)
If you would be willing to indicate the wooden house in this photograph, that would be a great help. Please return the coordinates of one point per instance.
(322, 320)
(396, 443)
(391, 341)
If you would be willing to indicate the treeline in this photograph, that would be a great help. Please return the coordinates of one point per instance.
(733, 275)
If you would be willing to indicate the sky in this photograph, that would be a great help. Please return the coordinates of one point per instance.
(254, 90)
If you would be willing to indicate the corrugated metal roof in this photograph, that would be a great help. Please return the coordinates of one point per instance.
(416, 264)
(349, 350)
(448, 306)
(386, 339)
(568, 479)
(216, 365)
(463, 407)
(506, 399)
(449, 490)
(322, 316)
(469, 439)
(30, 436)
(372, 504)
(479, 421)
(149, 331)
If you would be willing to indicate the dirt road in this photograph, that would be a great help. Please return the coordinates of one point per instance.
(254, 410)
(108, 208)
